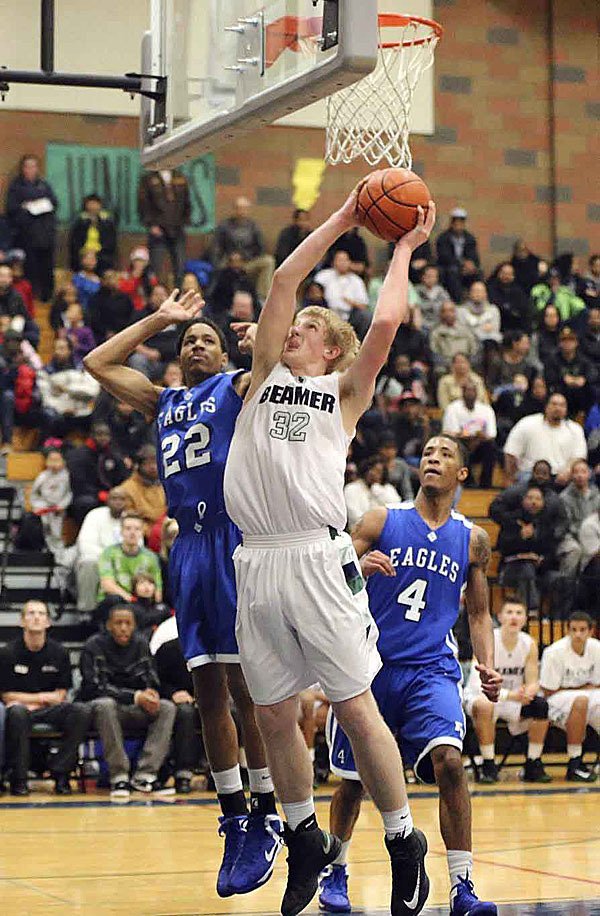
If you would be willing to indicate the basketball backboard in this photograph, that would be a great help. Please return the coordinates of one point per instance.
(235, 65)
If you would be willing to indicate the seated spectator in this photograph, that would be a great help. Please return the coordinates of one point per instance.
(570, 679)
(13, 314)
(398, 379)
(589, 585)
(456, 249)
(474, 423)
(120, 681)
(581, 498)
(355, 247)
(544, 342)
(241, 234)
(431, 295)
(77, 333)
(35, 675)
(290, 236)
(572, 374)
(518, 400)
(516, 312)
(139, 280)
(95, 468)
(526, 266)
(589, 288)
(398, 471)
(370, 490)
(527, 547)
(549, 435)
(554, 292)
(535, 398)
(19, 396)
(190, 283)
(144, 489)
(345, 291)
(21, 284)
(172, 376)
(508, 501)
(480, 315)
(66, 295)
(420, 258)
(176, 686)
(109, 310)
(168, 532)
(450, 386)
(411, 428)
(101, 528)
(94, 230)
(448, 338)
(86, 281)
(589, 345)
(50, 495)
(152, 356)
(411, 341)
(68, 393)
(228, 280)
(128, 427)
(516, 659)
(149, 612)
(513, 360)
(314, 294)
(242, 309)
(119, 563)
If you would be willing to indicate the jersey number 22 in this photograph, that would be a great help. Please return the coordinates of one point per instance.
(196, 451)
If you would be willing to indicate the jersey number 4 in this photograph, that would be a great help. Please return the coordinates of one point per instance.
(196, 451)
(413, 597)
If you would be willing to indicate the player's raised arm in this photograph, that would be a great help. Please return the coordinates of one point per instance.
(278, 312)
(478, 608)
(107, 362)
(358, 382)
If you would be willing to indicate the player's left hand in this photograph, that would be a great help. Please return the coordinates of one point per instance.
(246, 334)
(491, 682)
(376, 562)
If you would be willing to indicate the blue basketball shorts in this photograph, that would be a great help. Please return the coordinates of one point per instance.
(422, 706)
(202, 580)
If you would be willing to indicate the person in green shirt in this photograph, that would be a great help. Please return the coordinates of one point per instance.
(119, 563)
(567, 303)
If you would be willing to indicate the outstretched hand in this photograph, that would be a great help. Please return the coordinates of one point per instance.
(184, 309)
(417, 236)
(246, 334)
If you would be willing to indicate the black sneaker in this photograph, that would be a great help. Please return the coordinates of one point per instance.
(309, 852)
(410, 884)
(534, 772)
(148, 786)
(19, 787)
(120, 790)
(62, 785)
(577, 771)
(183, 785)
(488, 772)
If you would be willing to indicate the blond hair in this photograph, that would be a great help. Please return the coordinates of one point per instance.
(338, 333)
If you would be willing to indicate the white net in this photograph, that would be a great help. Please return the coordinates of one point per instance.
(371, 117)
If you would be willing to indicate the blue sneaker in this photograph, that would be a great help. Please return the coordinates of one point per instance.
(333, 897)
(234, 831)
(261, 845)
(467, 903)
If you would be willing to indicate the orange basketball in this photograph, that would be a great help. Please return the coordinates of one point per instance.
(388, 200)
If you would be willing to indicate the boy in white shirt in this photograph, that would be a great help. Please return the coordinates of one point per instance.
(570, 678)
(516, 659)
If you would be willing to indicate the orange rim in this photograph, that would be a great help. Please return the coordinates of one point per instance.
(396, 20)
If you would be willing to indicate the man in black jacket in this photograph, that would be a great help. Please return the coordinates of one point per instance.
(94, 468)
(515, 307)
(31, 206)
(456, 253)
(109, 309)
(119, 678)
(571, 374)
(94, 229)
(290, 236)
(165, 208)
(13, 314)
(35, 675)
(504, 506)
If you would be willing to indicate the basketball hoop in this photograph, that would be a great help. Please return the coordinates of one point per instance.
(371, 117)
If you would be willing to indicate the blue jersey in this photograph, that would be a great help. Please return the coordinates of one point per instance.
(416, 610)
(195, 427)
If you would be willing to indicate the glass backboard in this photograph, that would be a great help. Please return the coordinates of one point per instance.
(234, 65)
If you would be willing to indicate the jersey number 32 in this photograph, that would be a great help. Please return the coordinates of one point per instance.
(196, 451)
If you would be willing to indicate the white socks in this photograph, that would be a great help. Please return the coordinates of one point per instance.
(342, 859)
(573, 750)
(460, 865)
(534, 751)
(260, 781)
(296, 812)
(398, 822)
(487, 751)
(228, 781)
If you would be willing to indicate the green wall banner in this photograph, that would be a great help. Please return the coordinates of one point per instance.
(113, 172)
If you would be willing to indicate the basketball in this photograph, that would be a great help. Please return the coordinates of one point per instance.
(388, 200)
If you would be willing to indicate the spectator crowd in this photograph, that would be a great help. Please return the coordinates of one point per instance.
(507, 363)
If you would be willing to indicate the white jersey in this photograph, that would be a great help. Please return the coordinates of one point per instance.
(511, 665)
(564, 668)
(286, 464)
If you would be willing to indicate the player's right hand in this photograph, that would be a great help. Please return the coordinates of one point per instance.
(376, 562)
(184, 309)
(422, 230)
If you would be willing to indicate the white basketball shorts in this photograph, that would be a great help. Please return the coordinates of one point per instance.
(559, 707)
(508, 710)
(303, 616)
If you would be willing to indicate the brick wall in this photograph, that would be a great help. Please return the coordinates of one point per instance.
(516, 138)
